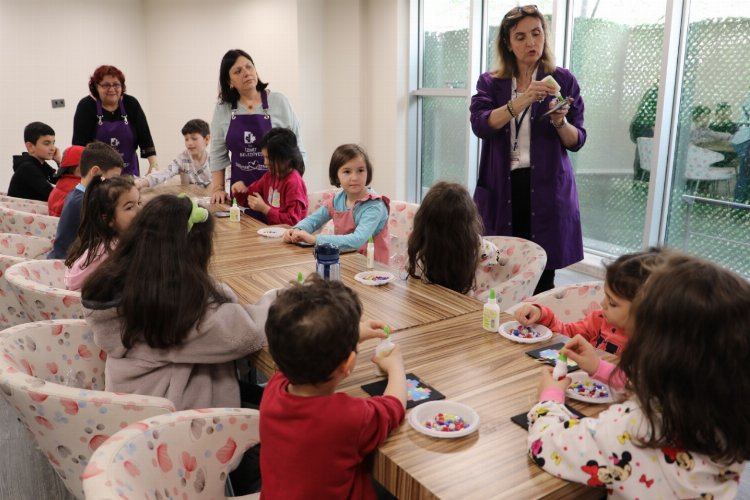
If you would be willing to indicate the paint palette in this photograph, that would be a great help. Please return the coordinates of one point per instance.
(272, 232)
(584, 388)
(530, 334)
(374, 278)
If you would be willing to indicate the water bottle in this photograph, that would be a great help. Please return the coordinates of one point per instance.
(327, 256)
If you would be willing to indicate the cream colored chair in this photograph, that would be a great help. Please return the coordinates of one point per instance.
(570, 303)
(698, 167)
(19, 222)
(40, 288)
(15, 248)
(316, 200)
(13, 199)
(400, 225)
(187, 454)
(31, 206)
(52, 375)
(517, 273)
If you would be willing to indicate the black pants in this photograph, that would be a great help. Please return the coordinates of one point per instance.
(520, 192)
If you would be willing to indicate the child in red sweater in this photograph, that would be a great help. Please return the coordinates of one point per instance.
(69, 176)
(605, 328)
(314, 441)
(280, 195)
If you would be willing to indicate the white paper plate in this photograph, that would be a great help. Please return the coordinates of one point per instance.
(506, 330)
(272, 232)
(587, 381)
(426, 412)
(374, 278)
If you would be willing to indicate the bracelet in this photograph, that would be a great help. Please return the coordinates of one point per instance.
(510, 109)
(562, 123)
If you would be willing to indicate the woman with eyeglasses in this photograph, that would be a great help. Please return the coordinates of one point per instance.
(526, 187)
(246, 111)
(110, 115)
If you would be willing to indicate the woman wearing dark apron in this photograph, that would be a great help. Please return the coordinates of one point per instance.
(246, 111)
(115, 118)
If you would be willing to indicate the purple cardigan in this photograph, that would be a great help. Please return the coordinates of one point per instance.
(555, 216)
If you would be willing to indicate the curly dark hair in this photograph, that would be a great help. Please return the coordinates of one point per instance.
(159, 271)
(446, 239)
(312, 328)
(687, 360)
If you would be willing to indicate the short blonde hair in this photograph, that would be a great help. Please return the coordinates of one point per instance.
(505, 61)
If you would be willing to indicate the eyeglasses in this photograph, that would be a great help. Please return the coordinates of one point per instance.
(526, 10)
(108, 86)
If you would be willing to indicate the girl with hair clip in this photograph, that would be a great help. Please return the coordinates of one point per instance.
(689, 345)
(358, 212)
(603, 328)
(280, 195)
(168, 328)
(109, 207)
(446, 246)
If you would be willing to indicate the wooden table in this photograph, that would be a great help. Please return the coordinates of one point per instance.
(443, 343)
(400, 303)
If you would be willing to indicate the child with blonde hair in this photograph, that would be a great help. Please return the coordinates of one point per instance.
(684, 432)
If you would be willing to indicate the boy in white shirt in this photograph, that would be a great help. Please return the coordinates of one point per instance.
(193, 162)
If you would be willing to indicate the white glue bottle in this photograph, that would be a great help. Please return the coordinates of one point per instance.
(491, 313)
(561, 367)
(384, 348)
(370, 253)
(234, 211)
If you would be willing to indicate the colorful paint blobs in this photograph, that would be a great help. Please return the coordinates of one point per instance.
(590, 389)
(552, 355)
(416, 391)
(445, 422)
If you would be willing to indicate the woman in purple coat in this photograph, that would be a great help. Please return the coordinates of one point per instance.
(526, 186)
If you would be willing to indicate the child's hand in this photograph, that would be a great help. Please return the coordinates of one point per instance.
(57, 156)
(547, 382)
(239, 187)
(392, 362)
(219, 196)
(371, 330)
(141, 183)
(289, 236)
(255, 201)
(304, 236)
(528, 314)
(579, 350)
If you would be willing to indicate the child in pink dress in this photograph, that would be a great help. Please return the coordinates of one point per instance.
(108, 208)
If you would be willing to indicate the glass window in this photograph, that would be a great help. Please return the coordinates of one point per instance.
(709, 206)
(616, 57)
(443, 149)
(445, 42)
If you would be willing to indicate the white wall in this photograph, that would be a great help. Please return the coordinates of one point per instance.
(48, 50)
(342, 63)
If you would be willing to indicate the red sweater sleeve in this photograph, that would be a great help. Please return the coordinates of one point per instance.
(381, 415)
(292, 201)
(589, 327)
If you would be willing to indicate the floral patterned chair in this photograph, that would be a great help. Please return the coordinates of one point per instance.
(19, 222)
(187, 454)
(52, 374)
(12, 199)
(400, 225)
(41, 291)
(516, 275)
(571, 303)
(15, 248)
(22, 205)
(316, 200)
